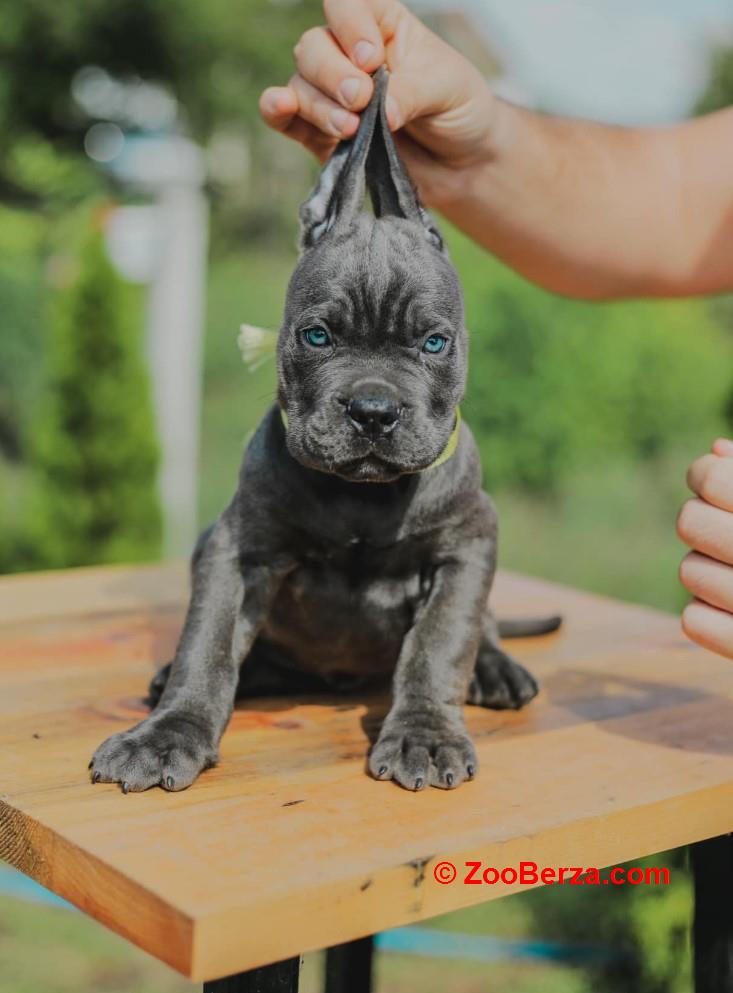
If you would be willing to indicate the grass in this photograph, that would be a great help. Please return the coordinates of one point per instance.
(80, 956)
(610, 529)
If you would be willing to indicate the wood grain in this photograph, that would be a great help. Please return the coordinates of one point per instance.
(287, 846)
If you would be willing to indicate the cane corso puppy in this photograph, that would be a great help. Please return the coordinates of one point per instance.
(359, 544)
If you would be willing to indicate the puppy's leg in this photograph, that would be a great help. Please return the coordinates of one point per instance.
(424, 740)
(173, 745)
(498, 681)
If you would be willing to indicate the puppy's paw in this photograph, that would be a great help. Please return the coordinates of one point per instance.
(419, 750)
(168, 750)
(500, 683)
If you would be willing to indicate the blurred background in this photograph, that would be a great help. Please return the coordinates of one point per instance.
(145, 213)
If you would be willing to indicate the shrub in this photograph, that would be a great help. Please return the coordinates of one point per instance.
(555, 384)
(21, 302)
(94, 452)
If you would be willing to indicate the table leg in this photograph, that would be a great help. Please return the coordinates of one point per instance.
(712, 867)
(280, 977)
(349, 967)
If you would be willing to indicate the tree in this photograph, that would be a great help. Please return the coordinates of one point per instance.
(94, 452)
(214, 58)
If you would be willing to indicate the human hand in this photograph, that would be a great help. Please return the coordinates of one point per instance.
(705, 524)
(440, 101)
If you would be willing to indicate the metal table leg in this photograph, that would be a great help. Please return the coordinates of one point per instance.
(280, 977)
(349, 967)
(712, 866)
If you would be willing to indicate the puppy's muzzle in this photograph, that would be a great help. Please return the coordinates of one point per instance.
(373, 410)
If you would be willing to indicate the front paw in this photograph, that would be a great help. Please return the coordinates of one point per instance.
(169, 750)
(419, 749)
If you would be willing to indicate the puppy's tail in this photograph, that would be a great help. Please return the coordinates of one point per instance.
(528, 627)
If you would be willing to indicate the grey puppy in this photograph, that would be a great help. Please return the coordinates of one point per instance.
(359, 544)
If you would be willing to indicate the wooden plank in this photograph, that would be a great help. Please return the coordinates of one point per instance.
(94, 590)
(288, 846)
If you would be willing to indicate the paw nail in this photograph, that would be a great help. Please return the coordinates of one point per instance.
(169, 782)
(471, 770)
(125, 787)
(382, 770)
(96, 777)
(91, 763)
(418, 783)
(449, 778)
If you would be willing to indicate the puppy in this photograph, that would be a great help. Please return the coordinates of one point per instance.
(359, 544)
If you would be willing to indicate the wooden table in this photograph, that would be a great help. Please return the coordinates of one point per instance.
(288, 846)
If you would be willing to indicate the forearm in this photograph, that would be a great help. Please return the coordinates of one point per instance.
(595, 211)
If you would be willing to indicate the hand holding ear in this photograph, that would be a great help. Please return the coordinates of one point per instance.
(705, 524)
(439, 100)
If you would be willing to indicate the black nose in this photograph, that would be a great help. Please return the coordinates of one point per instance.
(373, 415)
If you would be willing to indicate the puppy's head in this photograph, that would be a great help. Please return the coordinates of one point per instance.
(372, 351)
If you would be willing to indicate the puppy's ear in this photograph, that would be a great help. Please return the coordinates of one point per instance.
(339, 193)
(390, 187)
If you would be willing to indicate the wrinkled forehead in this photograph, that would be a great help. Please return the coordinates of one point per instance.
(384, 273)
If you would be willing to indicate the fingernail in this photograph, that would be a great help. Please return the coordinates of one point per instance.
(393, 113)
(363, 53)
(723, 446)
(269, 103)
(349, 91)
(339, 119)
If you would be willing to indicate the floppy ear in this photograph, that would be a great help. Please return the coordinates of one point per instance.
(369, 159)
(339, 193)
(391, 190)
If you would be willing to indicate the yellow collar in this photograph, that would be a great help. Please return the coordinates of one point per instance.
(450, 445)
(447, 452)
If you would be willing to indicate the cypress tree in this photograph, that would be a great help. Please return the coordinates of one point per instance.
(95, 452)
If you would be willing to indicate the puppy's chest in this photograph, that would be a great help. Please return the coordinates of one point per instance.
(360, 572)
(352, 605)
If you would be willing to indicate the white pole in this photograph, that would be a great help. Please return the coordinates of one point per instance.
(175, 342)
(165, 245)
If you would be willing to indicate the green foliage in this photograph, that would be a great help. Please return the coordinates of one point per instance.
(647, 926)
(214, 57)
(94, 451)
(660, 923)
(719, 91)
(21, 304)
(609, 528)
(556, 384)
(50, 173)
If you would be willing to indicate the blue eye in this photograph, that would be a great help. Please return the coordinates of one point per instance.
(435, 344)
(317, 337)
